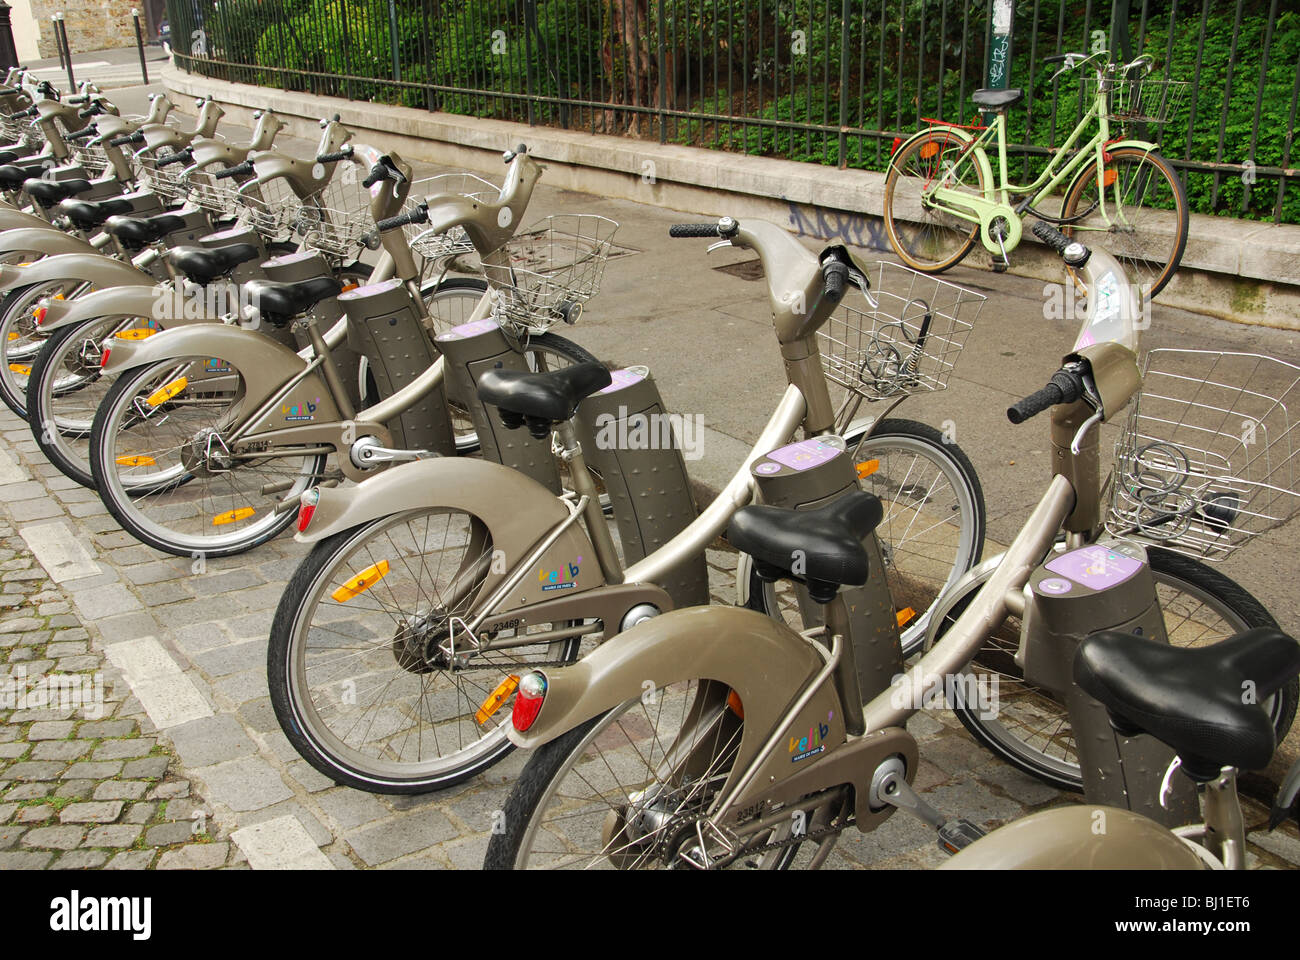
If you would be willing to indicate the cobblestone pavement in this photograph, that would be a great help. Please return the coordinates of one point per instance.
(181, 763)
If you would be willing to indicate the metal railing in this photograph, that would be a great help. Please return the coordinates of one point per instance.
(828, 81)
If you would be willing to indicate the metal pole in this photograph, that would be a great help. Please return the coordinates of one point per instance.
(67, 52)
(392, 34)
(58, 40)
(8, 54)
(139, 43)
(999, 60)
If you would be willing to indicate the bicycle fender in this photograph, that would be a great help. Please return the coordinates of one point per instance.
(157, 303)
(12, 218)
(518, 512)
(1079, 837)
(763, 661)
(1144, 145)
(93, 268)
(45, 241)
(956, 133)
(268, 364)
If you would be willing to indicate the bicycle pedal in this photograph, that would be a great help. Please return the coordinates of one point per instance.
(999, 266)
(957, 835)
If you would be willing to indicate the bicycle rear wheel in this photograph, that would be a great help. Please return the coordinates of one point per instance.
(925, 236)
(1031, 729)
(366, 676)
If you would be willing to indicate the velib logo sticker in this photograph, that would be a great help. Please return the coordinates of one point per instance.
(813, 743)
(561, 579)
(75, 913)
(300, 411)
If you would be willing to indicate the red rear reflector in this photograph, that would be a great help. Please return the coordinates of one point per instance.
(898, 142)
(103, 360)
(528, 700)
(307, 507)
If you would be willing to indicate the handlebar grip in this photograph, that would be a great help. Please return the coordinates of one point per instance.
(377, 173)
(1051, 236)
(121, 141)
(1060, 57)
(174, 157)
(235, 171)
(81, 135)
(334, 157)
(694, 230)
(87, 113)
(1064, 387)
(834, 274)
(419, 215)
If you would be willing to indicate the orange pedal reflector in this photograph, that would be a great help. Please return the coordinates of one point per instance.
(14, 335)
(867, 467)
(733, 701)
(362, 582)
(163, 394)
(232, 516)
(20, 368)
(495, 699)
(928, 150)
(905, 616)
(349, 286)
(1108, 178)
(139, 461)
(135, 333)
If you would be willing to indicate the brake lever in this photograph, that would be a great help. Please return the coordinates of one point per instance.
(715, 246)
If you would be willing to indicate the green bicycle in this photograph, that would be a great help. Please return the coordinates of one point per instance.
(940, 191)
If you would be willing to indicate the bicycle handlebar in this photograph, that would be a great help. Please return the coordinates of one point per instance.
(137, 137)
(177, 157)
(694, 230)
(237, 170)
(81, 135)
(335, 157)
(1066, 386)
(419, 215)
(1072, 251)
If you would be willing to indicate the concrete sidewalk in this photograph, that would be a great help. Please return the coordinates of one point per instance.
(110, 69)
(704, 331)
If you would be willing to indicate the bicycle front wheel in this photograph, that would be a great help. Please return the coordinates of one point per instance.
(1136, 208)
(21, 339)
(926, 236)
(933, 526)
(626, 791)
(1031, 729)
(372, 676)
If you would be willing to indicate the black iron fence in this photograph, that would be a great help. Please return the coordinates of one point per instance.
(827, 81)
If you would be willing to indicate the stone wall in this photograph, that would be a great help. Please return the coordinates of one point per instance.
(92, 24)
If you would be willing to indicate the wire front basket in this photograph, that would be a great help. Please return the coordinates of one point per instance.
(220, 197)
(1138, 100)
(94, 160)
(269, 208)
(169, 182)
(20, 131)
(546, 273)
(334, 219)
(1208, 456)
(900, 337)
(430, 244)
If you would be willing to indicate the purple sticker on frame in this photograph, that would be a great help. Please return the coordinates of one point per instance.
(472, 329)
(805, 454)
(1095, 567)
(622, 379)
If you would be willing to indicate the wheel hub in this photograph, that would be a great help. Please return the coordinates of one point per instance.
(207, 454)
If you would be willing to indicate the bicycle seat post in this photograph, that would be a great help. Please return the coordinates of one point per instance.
(566, 448)
(328, 368)
(1225, 829)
